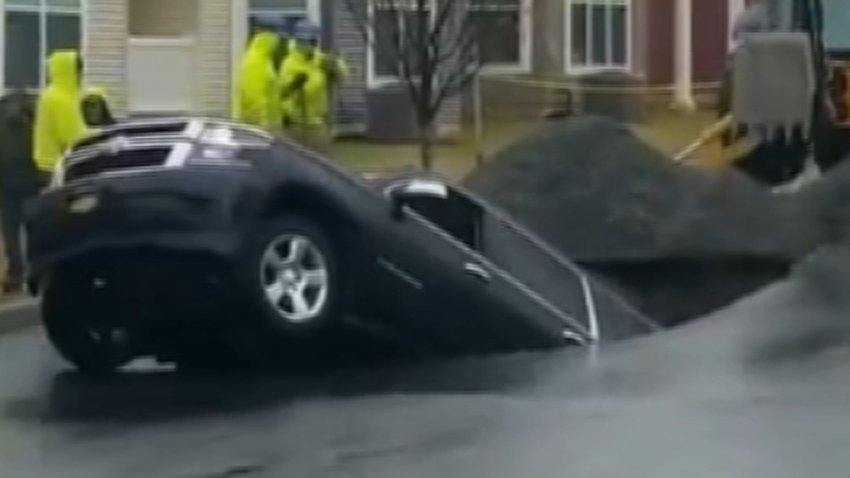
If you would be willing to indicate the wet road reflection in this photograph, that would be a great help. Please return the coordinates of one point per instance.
(761, 389)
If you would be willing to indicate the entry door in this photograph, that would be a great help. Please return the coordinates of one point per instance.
(162, 73)
(161, 76)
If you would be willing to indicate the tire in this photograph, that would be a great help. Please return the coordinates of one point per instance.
(267, 254)
(74, 323)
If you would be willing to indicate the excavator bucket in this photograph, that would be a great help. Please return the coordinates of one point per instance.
(774, 86)
(771, 106)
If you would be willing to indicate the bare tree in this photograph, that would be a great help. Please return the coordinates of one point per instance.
(434, 46)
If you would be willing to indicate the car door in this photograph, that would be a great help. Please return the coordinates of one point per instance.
(597, 309)
(443, 288)
(419, 287)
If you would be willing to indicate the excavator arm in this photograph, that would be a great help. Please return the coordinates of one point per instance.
(822, 130)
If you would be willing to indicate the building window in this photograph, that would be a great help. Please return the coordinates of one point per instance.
(281, 14)
(33, 30)
(503, 31)
(390, 21)
(599, 34)
(501, 26)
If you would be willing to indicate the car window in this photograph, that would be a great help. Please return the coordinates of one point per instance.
(457, 215)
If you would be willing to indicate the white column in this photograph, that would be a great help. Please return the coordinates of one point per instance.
(683, 95)
(2, 46)
(735, 9)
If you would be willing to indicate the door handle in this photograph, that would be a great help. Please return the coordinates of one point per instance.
(477, 271)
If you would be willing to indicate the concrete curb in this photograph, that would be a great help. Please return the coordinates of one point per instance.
(18, 314)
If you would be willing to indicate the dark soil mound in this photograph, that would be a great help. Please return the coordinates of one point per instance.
(672, 291)
(677, 241)
(827, 203)
(597, 193)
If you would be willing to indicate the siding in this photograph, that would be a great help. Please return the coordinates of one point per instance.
(348, 41)
(106, 52)
(641, 11)
(105, 47)
(449, 118)
(213, 87)
(161, 17)
(548, 37)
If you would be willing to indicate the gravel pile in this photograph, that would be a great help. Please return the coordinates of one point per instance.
(827, 202)
(597, 193)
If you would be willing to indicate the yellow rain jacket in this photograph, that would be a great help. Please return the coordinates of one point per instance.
(308, 106)
(256, 99)
(58, 119)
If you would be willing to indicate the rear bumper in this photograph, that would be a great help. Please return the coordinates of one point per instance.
(191, 210)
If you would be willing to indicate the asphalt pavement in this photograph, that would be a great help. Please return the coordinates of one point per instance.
(761, 389)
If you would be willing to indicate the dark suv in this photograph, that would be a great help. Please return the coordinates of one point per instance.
(183, 239)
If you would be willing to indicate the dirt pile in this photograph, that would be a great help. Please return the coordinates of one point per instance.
(596, 192)
(827, 203)
(677, 241)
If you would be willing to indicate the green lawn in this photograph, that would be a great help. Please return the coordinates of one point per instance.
(455, 158)
(667, 131)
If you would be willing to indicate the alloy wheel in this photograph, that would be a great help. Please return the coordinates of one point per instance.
(294, 277)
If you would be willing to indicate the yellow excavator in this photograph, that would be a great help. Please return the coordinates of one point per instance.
(821, 136)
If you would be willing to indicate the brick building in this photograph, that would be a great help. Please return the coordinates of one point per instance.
(175, 56)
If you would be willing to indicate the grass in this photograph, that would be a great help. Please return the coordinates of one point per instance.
(671, 132)
(667, 131)
(454, 158)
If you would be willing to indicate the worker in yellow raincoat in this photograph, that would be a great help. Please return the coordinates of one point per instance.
(59, 119)
(256, 99)
(306, 78)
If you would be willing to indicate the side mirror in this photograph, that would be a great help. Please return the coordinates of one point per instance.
(400, 194)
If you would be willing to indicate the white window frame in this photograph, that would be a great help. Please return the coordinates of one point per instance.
(312, 11)
(42, 9)
(735, 7)
(573, 69)
(373, 80)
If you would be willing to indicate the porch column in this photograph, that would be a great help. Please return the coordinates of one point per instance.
(3, 47)
(683, 95)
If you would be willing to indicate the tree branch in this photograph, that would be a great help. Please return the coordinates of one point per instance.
(398, 53)
(460, 61)
(434, 43)
(441, 19)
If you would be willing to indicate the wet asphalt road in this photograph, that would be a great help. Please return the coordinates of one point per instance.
(759, 390)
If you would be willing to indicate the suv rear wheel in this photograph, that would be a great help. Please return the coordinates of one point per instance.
(290, 275)
(77, 326)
